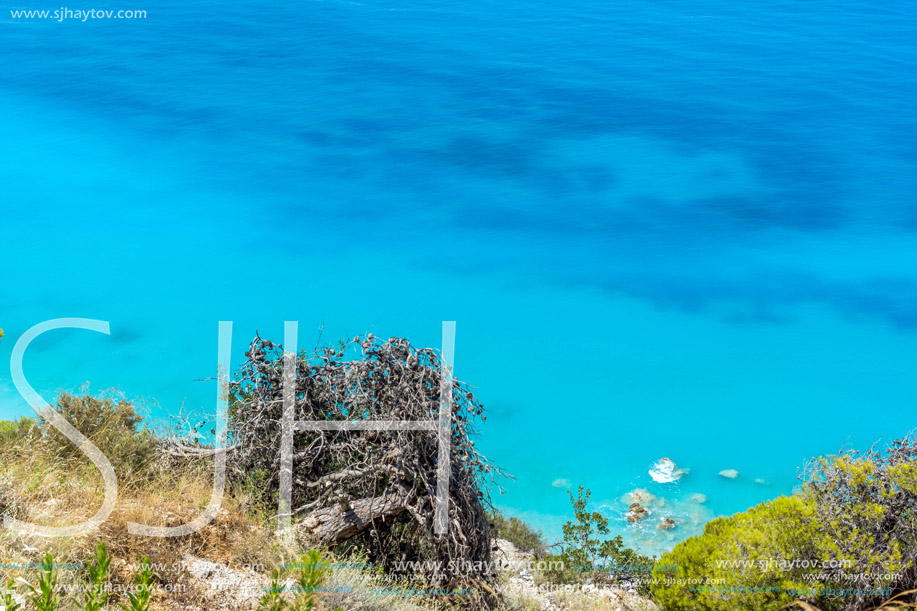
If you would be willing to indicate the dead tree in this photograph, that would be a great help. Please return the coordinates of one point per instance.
(372, 487)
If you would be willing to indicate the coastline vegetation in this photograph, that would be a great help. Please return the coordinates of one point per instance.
(846, 541)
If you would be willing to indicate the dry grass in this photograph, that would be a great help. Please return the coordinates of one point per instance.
(517, 600)
(39, 485)
(49, 492)
(362, 597)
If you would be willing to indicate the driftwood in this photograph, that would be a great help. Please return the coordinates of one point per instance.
(374, 488)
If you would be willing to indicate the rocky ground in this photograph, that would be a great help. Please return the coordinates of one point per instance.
(223, 587)
(521, 589)
(217, 586)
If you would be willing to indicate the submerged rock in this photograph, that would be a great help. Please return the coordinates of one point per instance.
(697, 497)
(666, 523)
(730, 473)
(640, 495)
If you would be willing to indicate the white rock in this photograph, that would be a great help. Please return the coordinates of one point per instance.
(665, 471)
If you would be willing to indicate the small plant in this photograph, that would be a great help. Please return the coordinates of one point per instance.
(43, 597)
(143, 582)
(9, 593)
(582, 535)
(312, 572)
(96, 596)
(272, 599)
(588, 554)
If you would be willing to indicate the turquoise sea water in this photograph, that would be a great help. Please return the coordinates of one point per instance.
(663, 229)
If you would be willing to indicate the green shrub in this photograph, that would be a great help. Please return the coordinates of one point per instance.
(520, 534)
(588, 554)
(112, 427)
(25, 430)
(845, 542)
(582, 534)
(735, 565)
(869, 505)
(272, 599)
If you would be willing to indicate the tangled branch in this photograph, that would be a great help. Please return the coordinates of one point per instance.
(376, 485)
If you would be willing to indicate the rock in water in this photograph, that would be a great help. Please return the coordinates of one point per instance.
(636, 513)
(730, 473)
(697, 497)
(665, 524)
(665, 471)
(640, 495)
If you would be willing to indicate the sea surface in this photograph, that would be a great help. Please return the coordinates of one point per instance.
(664, 229)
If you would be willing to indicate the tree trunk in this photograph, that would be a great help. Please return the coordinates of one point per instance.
(332, 525)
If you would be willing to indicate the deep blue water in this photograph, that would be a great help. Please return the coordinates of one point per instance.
(664, 229)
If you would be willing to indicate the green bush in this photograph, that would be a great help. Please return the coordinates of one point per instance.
(520, 534)
(112, 427)
(845, 542)
(582, 534)
(869, 505)
(589, 554)
(735, 564)
(25, 430)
